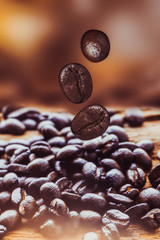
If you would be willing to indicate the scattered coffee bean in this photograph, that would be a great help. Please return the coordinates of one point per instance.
(137, 211)
(119, 132)
(58, 208)
(115, 178)
(90, 218)
(49, 191)
(142, 158)
(27, 207)
(136, 176)
(154, 176)
(134, 117)
(150, 196)
(146, 145)
(10, 219)
(152, 219)
(92, 201)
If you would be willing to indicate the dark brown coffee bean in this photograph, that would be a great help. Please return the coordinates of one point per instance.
(57, 142)
(45, 123)
(40, 215)
(123, 156)
(82, 187)
(136, 176)
(38, 167)
(20, 141)
(119, 199)
(129, 191)
(109, 143)
(91, 235)
(109, 164)
(150, 196)
(12, 126)
(137, 211)
(40, 148)
(119, 132)
(52, 176)
(5, 198)
(91, 172)
(3, 143)
(142, 158)
(72, 200)
(110, 232)
(115, 178)
(152, 219)
(17, 196)
(10, 181)
(78, 164)
(11, 148)
(92, 144)
(134, 117)
(154, 176)
(50, 229)
(49, 131)
(23, 113)
(30, 124)
(10, 219)
(60, 120)
(146, 145)
(92, 201)
(21, 155)
(19, 169)
(121, 220)
(27, 207)
(95, 45)
(75, 82)
(62, 183)
(75, 141)
(7, 109)
(117, 119)
(68, 152)
(90, 218)
(3, 231)
(90, 122)
(34, 186)
(35, 139)
(49, 191)
(130, 145)
(58, 208)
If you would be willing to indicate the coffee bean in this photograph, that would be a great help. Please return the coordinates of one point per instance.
(68, 152)
(49, 131)
(17, 196)
(123, 156)
(21, 156)
(117, 119)
(152, 219)
(27, 207)
(72, 200)
(90, 172)
(110, 232)
(40, 215)
(49, 191)
(73, 217)
(3, 231)
(52, 176)
(34, 186)
(10, 219)
(30, 124)
(35, 139)
(119, 199)
(50, 229)
(92, 144)
(95, 45)
(119, 132)
(12, 126)
(146, 145)
(130, 145)
(150, 196)
(75, 141)
(7, 109)
(10, 181)
(11, 148)
(115, 178)
(22, 113)
(5, 198)
(137, 211)
(136, 176)
(91, 235)
(40, 148)
(154, 176)
(129, 191)
(62, 183)
(90, 122)
(92, 201)
(90, 218)
(109, 144)
(3, 143)
(44, 123)
(121, 220)
(109, 164)
(38, 167)
(142, 158)
(57, 142)
(75, 82)
(78, 164)
(60, 120)
(58, 208)
(134, 117)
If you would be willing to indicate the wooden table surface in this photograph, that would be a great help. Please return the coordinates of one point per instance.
(149, 130)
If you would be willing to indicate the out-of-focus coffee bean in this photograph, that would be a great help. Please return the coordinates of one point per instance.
(90, 218)
(146, 145)
(10, 219)
(40, 215)
(34, 186)
(58, 141)
(75, 141)
(45, 123)
(92, 201)
(50, 229)
(22, 113)
(142, 158)
(5, 198)
(10, 181)
(78, 164)
(91, 235)
(117, 119)
(11, 148)
(21, 155)
(52, 176)
(3, 231)
(35, 139)
(130, 145)
(93, 144)
(90, 172)
(62, 183)
(136, 176)
(40, 148)
(72, 200)
(49, 131)
(119, 132)
(134, 116)
(68, 152)
(38, 167)
(123, 156)
(7, 109)
(109, 144)
(129, 191)
(73, 217)
(17, 196)
(49, 191)
(30, 124)
(19, 169)
(154, 176)
(115, 178)
(137, 211)
(12, 126)
(152, 219)
(60, 120)
(119, 199)
(109, 164)
(150, 196)
(58, 208)
(27, 207)
(110, 232)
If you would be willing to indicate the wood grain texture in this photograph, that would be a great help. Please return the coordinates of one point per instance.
(149, 130)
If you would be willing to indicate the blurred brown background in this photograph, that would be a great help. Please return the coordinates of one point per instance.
(37, 37)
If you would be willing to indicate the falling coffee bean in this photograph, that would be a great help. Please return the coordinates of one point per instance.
(90, 122)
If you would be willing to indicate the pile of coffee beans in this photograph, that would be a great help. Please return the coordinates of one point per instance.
(62, 183)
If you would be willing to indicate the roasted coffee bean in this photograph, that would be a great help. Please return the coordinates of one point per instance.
(10, 181)
(68, 152)
(75, 82)
(123, 156)
(3, 143)
(72, 200)
(11, 148)
(90, 218)
(109, 164)
(57, 141)
(150, 196)
(91, 235)
(130, 145)
(129, 191)
(45, 123)
(21, 155)
(82, 187)
(30, 124)
(134, 117)
(60, 120)
(90, 172)
(58, 208)
(52, 176)
(10, 219)
(154, 176)
(40, 148)
(19, 141)
(49, 191)
(109, 144)
(39, 202)
(90, 122)
(152, 219)
(78, 164)
(27, 207)
(92, 201)
(38, 167)
(115, 178)
(119, 132)
(62, 183)
(40, 215)
(12, 126)
(142, 158)
(49, 131)
(3, 172)
(22, 113)
(51, 160)
(75, 141)
(5, 198)
(34, 186)
(110, 232)
(17, 196)
(95, 45)
(137, 211)
(90, 156)
(50, 229)
(136, 176)
(146, 145)
(121, 220)
(7, 109)
(35, 139)
(3, 231)
(73, 217)
(93, 144)
(64, 131)
(119, 199)
(117, 119)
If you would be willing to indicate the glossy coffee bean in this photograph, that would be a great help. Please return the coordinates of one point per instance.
(123, 156)
(136, 176)
(92, 201)
(72, 200)
(19, 169)
(21, 155)
(142, 158)
(117, 119)
(152, 219)
(58, 141)
(83, 186)
(109, 164)
(18, 195)
(34, 186)
(38, 167)
(110, 232)
(154, 176)
(129, 191)
(150, 196)
(90, 122)
(91, 235)
(130, 145)
(7, 109)
(22, 113)
(49, 191)
(12, 126)
(119, 199)
(119, 132)
(3, 231)
(40, 148)
(90, 218)
(60, 120)
(11, 148)
(30, 124)
(10, 219)
(49, 131)
(5, 199)
(134, 116)
(109, 144)
(90, 172)
(137, 211)
(121, 220)
(49, 229)
(115, 178)
(95, 45)
(40, 215)
(27, 207)
(146, 145)
(10, 181)
(58, 208)
(62, 183)
(75, 82)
